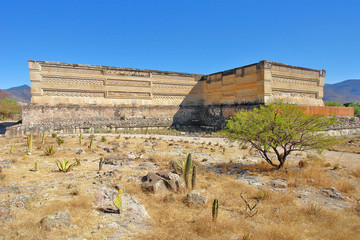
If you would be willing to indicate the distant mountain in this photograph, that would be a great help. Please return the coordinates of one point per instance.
(346, 91)
(20, 94)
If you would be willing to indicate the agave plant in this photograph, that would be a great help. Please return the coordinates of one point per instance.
(49, 151)
(59, 141)
(64, 166)
(179, 166)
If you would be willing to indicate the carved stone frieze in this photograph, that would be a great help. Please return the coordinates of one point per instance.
(131, 83)
(118, 94)
(291, 93)
(172, 77)
(295, 71)
(296, 81)
(127, 73)
(72, 81)
(69, 70)
(172, 86)
(72, 93)
(168, 96)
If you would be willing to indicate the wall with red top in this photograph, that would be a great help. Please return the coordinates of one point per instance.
(329, 111)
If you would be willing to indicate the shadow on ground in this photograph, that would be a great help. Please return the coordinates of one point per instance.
(4, 125)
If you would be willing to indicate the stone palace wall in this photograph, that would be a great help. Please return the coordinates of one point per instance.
(82, 96)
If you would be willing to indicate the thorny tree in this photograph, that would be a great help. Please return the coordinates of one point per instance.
(281, 129)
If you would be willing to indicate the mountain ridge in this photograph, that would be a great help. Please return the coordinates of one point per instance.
(343, 92)
(22, 93)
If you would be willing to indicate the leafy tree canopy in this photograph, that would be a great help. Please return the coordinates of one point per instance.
(277, 130)
(9, 108)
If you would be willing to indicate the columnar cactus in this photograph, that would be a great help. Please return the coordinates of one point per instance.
(11, 149)
(80, 138)
(193, 179)
(101, 163)
(91, 141)
(187, 170)
(43, 138)
(36, 166)
(215, 209)
(29, 142)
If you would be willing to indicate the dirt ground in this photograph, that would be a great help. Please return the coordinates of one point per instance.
(313, 197)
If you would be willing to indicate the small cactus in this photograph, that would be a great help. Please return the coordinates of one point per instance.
(29, 142)
(101, 163)
(91, 141)
(118, 200)
(187, 170)
(36, 166)
(11, 149)
(80, 138)
(43, 138)
(215, 209)
(193, 178)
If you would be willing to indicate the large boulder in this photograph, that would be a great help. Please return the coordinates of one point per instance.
(55, 221)
(161, 181)
(194, 198)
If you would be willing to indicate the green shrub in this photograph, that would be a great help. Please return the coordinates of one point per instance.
(333, 104)
(9, 108)
(355, 106)
(281, 128)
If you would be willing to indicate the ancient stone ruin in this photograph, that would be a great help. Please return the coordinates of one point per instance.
(77, 96)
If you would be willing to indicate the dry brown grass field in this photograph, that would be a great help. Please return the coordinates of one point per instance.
(306, 208)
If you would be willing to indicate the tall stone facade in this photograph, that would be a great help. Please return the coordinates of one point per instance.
(68, 96)
(265, 82)
(55, 83)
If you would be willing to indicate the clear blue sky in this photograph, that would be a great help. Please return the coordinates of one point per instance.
(187, 36)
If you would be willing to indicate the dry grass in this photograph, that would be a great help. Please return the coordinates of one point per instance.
(348, 145)
(280, 215)
(356, 172)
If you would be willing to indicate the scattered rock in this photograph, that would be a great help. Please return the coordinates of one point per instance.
(244, 171)
(105, 197)
(80, 151)
(194, 198)
(333, 193)
(256, 181)
(117, 160)
(278, 183)
(112, 225)
(133, 218)
(173, 180)
(58, 220)
(162, 180)
(107, 148)
(6, 163)
(153, 183)
(148, 166)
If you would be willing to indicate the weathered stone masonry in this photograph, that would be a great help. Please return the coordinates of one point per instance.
(82, 96)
